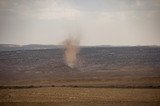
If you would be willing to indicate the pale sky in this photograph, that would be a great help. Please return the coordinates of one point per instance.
(95, 22)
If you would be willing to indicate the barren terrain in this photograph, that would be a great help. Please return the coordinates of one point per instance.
(103, 75)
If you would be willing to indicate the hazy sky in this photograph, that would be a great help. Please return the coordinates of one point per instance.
(95, 22)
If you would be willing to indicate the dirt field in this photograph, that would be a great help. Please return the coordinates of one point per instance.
(80, 96)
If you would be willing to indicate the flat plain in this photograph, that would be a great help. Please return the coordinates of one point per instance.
(80, 96)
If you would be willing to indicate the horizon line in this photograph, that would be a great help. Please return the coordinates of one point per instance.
(21, 45)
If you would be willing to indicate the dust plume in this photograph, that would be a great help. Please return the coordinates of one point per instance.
(71, 50)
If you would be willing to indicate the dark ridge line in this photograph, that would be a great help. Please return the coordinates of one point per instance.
(75, 86)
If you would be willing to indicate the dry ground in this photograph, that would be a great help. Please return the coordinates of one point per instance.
(80, 96)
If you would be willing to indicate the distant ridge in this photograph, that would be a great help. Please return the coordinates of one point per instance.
(12, 47)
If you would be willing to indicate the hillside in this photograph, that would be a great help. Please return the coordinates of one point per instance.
(98, 65)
